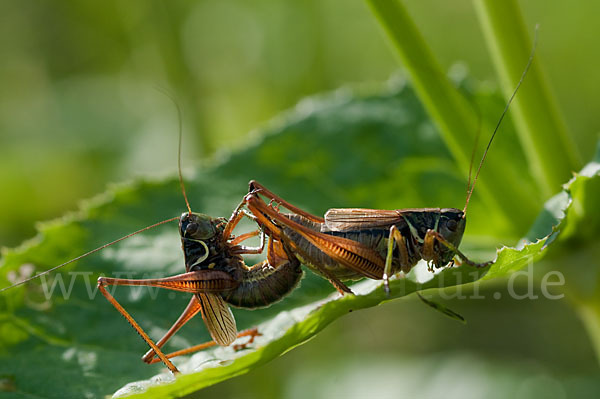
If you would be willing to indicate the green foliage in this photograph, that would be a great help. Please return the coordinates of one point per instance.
(374, 150)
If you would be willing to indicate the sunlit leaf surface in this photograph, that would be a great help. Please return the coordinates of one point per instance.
(371, 150)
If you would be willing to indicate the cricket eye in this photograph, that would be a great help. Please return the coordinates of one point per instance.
(191, 228)
(452, 225)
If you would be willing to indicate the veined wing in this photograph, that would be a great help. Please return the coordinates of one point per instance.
(218, 319)
(348, 219)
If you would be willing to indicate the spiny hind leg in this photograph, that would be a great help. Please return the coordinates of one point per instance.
(275, 233)
(190, 311)
(161, 356)
(251, 332)
(256, 187)
(195, 282)
(349, 253)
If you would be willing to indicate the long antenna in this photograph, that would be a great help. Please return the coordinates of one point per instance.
(529, 62)
(135, 232)
(180, 128)
(89, 253)
(479, 118)
(187, 203)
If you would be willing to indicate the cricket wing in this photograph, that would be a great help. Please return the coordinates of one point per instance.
(349, 219)
(218, 319)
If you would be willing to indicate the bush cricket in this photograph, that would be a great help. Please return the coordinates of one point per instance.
(346, 244)
(352, 243)
(215, 274)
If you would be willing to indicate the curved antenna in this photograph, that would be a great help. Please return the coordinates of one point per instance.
(180, 125)
(180, 140)
(187, 203)
(479, 119)
(88, 253)
(529, 62)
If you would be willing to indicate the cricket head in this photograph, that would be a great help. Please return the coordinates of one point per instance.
(449, 223)
(200, 239)
(451, 226)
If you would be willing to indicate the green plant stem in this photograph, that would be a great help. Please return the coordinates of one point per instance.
(582, 270)
(589, 312)
(551, 152)
(454, 116)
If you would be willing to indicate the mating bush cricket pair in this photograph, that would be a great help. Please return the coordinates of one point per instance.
(346, 244)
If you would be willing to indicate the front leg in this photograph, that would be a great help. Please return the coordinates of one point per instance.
(238, 213)
(428, 249)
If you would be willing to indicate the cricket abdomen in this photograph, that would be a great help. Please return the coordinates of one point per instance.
(265, 284)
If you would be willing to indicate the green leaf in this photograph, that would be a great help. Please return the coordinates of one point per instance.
(297, 326)
(457, 118)
(375, 150)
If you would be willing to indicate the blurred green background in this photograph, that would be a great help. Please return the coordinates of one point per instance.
(82, 104)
